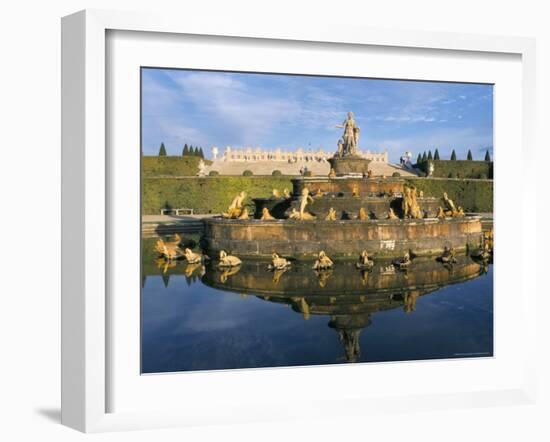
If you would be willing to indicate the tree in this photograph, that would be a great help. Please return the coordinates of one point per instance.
(201, 153)
(430, 156)
(487, 156)
(436, 155)
(162, 150)
(419, 159)
(424, 157)
(185, 150)
(453, 155)
(469, 156)
(191, 150)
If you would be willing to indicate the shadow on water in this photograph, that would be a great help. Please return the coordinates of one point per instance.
(193, 317)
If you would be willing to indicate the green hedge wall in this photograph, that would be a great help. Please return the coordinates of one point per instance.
(460, 169)
(472, 195)
(211, 194)
(214, 194)
(170, 166)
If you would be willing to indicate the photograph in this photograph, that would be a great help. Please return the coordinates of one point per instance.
(292, 219)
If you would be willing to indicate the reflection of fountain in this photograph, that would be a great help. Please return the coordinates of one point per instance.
(349, 296)
(343, 214)
(349, 329)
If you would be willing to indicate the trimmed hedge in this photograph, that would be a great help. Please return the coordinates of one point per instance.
(459, 169)
(206, 194)
(214, 194)
(276, 173)
(248, 172)
(472, 195)
(170, 166)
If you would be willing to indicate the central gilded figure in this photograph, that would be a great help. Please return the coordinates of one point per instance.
(350, 140)
(348, 160)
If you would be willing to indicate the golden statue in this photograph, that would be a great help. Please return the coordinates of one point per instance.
(235, 208)
(449, 204)
(350, 139)
(403, 262)
(286, 194)
(355, 190)
(406, 203)
(363, 215)
(304, 200)
(192, 257)
(364, 261)
(278, 263)
(275, 194)
(228, 260)
(332, 173)
(421, 194)
(411, 208)
(459, 212)
(440, 213)
(266, 216)
(306, 216)
(331, 215)
(244, 214)
(294, 214)
(391, 214)
(414, 208)
(369, 173)
(169, 249)
(323, 262)
(318, 193)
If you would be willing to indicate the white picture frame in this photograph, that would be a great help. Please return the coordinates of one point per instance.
(86, 214)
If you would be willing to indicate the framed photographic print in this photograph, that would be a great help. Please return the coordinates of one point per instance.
(250, 214)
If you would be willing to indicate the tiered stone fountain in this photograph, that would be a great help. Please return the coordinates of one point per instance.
(347, 190)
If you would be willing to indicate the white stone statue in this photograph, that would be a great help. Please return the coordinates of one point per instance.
(202, 168)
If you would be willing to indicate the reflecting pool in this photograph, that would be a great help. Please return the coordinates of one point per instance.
(195, 317)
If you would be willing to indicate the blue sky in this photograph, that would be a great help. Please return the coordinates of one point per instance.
(221, 109)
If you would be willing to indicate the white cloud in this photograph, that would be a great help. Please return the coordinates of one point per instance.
(253, 113)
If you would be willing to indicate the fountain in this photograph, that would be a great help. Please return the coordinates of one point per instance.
(343, 214)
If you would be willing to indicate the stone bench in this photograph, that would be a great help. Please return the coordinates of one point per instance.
(182, 211)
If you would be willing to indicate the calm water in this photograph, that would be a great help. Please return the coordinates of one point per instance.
(196, 318)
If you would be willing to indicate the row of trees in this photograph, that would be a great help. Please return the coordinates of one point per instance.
(427, 157)
(187, 151)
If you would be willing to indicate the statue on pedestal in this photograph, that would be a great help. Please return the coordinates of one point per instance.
(236, 207)
(349, 143)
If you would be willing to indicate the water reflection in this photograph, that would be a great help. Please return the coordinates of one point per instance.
(347, 300)
(346, 295)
